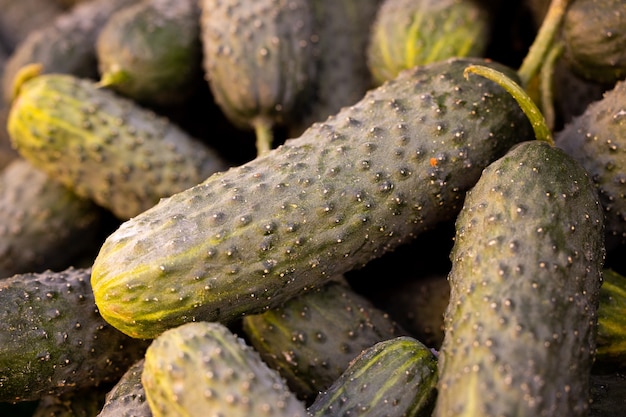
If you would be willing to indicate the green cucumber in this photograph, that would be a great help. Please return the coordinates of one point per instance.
(258, 61)
(526, 271)
(341, 32)
(41, 221)
(203, 368)
(66, 44)
(407, 33)
(104, 146)
(77, 403)
(53, 339)
(392, 378)
(348, 190)
(151, 51)
(127, 398)
(312, 339)
(611, 338)
(597, 139)
(594, 35)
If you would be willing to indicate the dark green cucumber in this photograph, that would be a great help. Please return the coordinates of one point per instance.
(348, 190)
(597, 139)
(151, 51)
(407, 33)
(258, 61)
(77, 403)
(41, 221)
(104, 146)
(127, 398)
(341, 32)
(52, 338)
(611, 339)
(526, 271)
(66, 44)
(594, 35)
(608, 394)
(202, 368)
(312, 339)
(392, 378)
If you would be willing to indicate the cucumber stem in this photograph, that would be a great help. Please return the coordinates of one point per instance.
(543, 41)
(264, 134)
(547, 85)
(528, 106)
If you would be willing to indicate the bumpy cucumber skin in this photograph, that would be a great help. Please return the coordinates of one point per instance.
(407, 33)
(311, 339)
(103, 146)
(346, 191)
(258, 57)
(611, 339)
(526, 271)
(597, 139)
(52, 338)
(395, 377)
(594, 35)
(341, 29)
(66, 44)
(127, 398)
(151, 51)
(202, 368)
(41, 221)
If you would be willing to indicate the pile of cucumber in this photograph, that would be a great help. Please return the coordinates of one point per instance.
(312, 208)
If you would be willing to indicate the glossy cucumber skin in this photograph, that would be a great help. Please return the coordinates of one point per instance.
(527, 262)
(203, 368)
(103, 146)
(346, 191)
(53, 339)
(394, 377)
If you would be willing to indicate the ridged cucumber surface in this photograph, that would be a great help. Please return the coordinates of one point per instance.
(348, 190)
(258, 61)
(597, 139)
(393, 378)
(407, 33)
(203, 368)
(65, 44)
(104, 146)
(527, 262)
(41, 220)
(53, 339)
(312, 339)
(151, 51)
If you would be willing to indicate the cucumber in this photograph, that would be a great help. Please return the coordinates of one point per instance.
(312, 338)
(611, 338)
(7, 152)
(65, 44)
(41, 220)
(127, 398)
(53, 340)
(596, 139)
(341, 31)
(203, 368)
(103, 146)
(407, 33)
(79, 403)
(258, 61)
(348, 190)
(393, 378)
(151, 51)
(594, 35)
(526, 271)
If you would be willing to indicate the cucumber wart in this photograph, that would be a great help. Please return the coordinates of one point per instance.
(346, 191)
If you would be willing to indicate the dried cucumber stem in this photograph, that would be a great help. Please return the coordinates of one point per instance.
(528, 106)
(543, 41)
